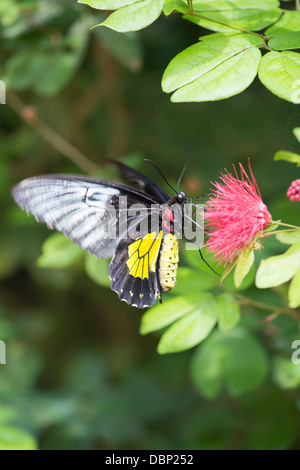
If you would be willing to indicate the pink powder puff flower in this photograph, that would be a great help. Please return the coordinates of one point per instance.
(294, 191)
(234, 214)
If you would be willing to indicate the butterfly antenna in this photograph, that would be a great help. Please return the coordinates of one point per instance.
(185, 165)
(159, 171)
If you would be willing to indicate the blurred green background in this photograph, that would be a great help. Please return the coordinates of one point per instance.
(78, 374)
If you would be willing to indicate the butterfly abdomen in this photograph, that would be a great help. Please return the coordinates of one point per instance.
(168, 262)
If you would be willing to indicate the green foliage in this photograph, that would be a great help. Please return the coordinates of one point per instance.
(279, 72)
(289, 238)
(285, 373)
(58, 252)
(253, 15)
(243, 266)
(46, 64)
(97, 270)
(287, 156)
(12, 438)
(277, 270)
(135, 16)
(285, 41)
(191, 329)
(224, 64)
(229, 312)
(290, 156)
(218, 67)
(78, 375)
(233, 360)
(170, 311)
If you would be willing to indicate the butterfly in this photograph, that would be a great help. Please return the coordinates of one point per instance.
(135, 225)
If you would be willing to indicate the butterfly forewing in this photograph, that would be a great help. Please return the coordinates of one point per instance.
(84, 209)
(142, 182)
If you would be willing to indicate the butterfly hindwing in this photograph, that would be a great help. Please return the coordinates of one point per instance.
(134, 269)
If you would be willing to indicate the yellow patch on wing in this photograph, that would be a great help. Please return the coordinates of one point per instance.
(142, 255)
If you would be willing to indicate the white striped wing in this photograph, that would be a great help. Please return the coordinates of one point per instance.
(81, 208)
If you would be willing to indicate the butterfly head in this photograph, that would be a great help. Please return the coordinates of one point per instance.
(180, 198)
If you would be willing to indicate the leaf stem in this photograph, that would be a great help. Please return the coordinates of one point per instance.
(190, 6)
(272, 308)
(191, 12)
(274, 232)
(285, 225)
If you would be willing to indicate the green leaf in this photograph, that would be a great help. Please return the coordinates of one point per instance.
(58, 252)
(12, 438)
(253, 15)
(97, 270)
(217, 67)
(235, 360)
(229, 312)
(244, 263)
(284, 41)
(248, 280)
(289, 238)
(189, 280)
(171, 6)
(56, 71)
(296, 132)
(107, 4)
(19, 70)
(287, 156)
(47, 69)
(294, 291)
(166, 313)
(278, 269)
(191, 329)
(289, 21)
(280, 73)
(135, 16)
(286, 374)
(273, 226)
(40, 13)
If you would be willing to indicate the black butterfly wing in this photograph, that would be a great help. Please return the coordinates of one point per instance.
(84, 209)
(142, 182)
(134, 269)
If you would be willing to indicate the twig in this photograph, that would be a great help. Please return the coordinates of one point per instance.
(199, 15)
(48, 134)
(272, 308)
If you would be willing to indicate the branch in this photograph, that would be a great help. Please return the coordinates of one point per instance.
(192, 12)
(29, 115)
(261, 305)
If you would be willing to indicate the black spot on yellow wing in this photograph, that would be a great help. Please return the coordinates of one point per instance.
(134, 271)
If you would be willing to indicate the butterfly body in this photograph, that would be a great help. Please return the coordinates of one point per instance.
(98, 216)
(168, 262)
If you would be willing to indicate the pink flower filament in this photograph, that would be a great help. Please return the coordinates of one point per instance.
(235, 213)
